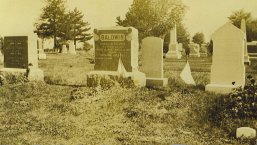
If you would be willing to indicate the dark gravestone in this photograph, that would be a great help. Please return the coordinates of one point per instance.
(16, 52)
(110, 45)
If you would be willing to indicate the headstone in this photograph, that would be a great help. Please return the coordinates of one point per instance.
(152, 61)
(20, 55)
(114, 44)
(72, 48)
(246, 56)
(64, 49)
(40, 49)
(173, 45)
(180, 47)
(194, 50)
(227, 70)
(245, 132)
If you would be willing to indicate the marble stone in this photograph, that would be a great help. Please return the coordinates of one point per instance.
(40, 49)
(227, 70)
(72, 48)
(152, 61)
(64, 49)
(173, 45)
(246, 132)
(194, 50)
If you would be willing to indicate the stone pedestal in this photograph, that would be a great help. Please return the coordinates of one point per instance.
(72, 48)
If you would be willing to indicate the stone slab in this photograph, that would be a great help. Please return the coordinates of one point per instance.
(220, 89)
(161, 82)
(246, 132)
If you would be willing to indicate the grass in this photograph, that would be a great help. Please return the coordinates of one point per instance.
(64, 111)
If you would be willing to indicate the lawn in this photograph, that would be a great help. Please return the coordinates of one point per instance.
(65, 111)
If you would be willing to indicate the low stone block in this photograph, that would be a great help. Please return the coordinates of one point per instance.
(161, 82)
(221, 89)
(246, 132)
(36, 74)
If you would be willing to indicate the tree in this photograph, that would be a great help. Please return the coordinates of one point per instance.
(79, 28)
(198, 38)
(50, 20)
(153, 17)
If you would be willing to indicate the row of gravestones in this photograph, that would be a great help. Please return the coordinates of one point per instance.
(120, 44)
(113, 45)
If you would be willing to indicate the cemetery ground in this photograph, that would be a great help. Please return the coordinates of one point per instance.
(64, 111)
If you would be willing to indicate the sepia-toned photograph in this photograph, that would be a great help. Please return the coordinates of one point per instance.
(128, 72)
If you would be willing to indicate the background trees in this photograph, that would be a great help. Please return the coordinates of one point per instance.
(198, 38)
(55, 22)
(251, 24)
(153, 17)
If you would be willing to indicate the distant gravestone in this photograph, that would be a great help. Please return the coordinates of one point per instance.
(64, 49)
(194, 49)
(173, 45)
(246, 56)
(152, 61)
(20, 55)
(72, 48)
(227, 70)
(40, 49)
(114, 45)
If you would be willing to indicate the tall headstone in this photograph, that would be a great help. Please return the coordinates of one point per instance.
(64, 49)
(72, 48)
(173, 45)
(116, 44)
(152, 61)
(227, 70)
(246, 56)
(40, 49)
(20, 56)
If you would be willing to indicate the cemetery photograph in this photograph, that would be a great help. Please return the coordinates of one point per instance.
(128, 72)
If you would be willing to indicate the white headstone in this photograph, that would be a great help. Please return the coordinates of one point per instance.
(246, 132)
(194, 49)
(152, 61)
(173, 45)
(72, 48)
(41, 53)
(64, 48)
(227, 70)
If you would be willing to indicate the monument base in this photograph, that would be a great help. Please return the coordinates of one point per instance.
(161, 82)
(94, 77)
(247, 60)
(36, 74)
(173, 54)
(221, 89)
(73, 52)
(42, 56)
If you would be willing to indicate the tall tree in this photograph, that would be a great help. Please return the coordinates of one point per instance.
(153, 17)
(198, 38)
(79, 28)
(50, 20)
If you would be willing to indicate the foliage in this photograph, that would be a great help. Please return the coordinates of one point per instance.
(251, 29)
(198, 38)
(153, 17)
(87, 46)
(210, 48)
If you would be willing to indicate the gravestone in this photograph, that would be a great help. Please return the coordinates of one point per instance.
(152, 61)
(113, 45)
(72, 48)
(227, 70)
(173, 45)
(20, 55)
(194, 50)
(246, 56)
(64, 49)
(40, 49)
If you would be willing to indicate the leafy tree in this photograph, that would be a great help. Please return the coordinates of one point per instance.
(79, 28)
(51, 19)
(198, 38)
(153, 17)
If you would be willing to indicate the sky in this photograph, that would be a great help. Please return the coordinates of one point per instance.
(18, 16)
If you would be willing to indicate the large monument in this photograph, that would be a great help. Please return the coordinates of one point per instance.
(174, 51)
(115, 48)
(227, 70)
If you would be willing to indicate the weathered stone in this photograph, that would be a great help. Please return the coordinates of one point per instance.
(173, 45)
(64, 49)
(72, 48)
(245, 132)
(41, 53)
